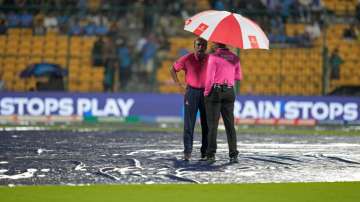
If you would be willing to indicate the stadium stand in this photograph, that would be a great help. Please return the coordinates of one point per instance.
(288, 70)
(295, 65)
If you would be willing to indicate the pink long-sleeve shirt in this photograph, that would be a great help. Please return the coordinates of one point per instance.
(223, 67)
(195, 69)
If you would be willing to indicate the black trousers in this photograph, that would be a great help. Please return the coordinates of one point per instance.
(124, 75)
(221, 101)
(194, 102)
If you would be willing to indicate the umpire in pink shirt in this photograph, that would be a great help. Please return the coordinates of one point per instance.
(194, 65)
(223, 69)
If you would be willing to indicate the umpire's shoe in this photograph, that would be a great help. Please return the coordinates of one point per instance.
(187, 157)
(234, 159)
(203, 157)
(210, 159)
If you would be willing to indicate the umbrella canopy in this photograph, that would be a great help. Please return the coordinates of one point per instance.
(227, 28)
(43, 69)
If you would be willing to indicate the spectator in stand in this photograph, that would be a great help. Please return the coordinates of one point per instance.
(2, 15)
(63, 20)
(140, 44)
(351, 32)
(189, 8)
(277, 33)
(102, 28)
(93, 5)
(13, 20)
(218, 5)
(164, 44)
(149, 15)
(113, 29)
(272, 6)
(167, 25)
(313, 30)
(148, 54)
(90, 28)
(2, 83)
(109, 78)
(285, 9)
(3, 27)
(316, 6)
(254, 5)
(174, 8)
(124, 58)
(26, 19)
(182, 51)
(111, 61)
(82, 5)
(357, 12)
(305, 10)
(20, 4)
(51, 23)
(298, 11)
(277, 36)
(277, 23)
(94, 17)
(38, 28)
(75, 28)
(97, 52)
(137, 15)
(335, 61)
(299, 40)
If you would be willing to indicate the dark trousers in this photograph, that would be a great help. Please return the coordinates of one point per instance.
(124, 75)
(194, 102)
(221, 100)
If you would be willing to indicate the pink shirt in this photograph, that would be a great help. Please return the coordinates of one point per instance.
(195, 69)
(223, 67)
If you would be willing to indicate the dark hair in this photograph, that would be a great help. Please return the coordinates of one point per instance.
(199, 39)
(220, 45)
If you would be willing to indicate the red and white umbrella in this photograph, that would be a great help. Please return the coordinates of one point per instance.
(227, 28)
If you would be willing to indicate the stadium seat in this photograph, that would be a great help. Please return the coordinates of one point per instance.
(14, 32)
(62, 61)
(35, 59)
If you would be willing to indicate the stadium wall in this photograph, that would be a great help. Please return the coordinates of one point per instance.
(151, 107)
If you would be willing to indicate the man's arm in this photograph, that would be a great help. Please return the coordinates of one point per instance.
(210, 75)
(238, 72)
(176, 79)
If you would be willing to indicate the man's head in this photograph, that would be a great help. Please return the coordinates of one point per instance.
(200, 46)
(219, 45)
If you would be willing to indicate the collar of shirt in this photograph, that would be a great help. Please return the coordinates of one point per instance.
(201, 60)
(218, 50)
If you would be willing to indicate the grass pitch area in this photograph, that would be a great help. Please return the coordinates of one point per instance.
(317, 192)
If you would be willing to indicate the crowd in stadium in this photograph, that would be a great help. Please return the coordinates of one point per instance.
(132, 35)
(100, 17)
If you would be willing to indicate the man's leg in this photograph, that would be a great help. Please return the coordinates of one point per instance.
(227, 112)
(190, 110)
(204, 126)
(212, 105)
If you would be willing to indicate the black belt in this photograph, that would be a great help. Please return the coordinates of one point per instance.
(195, 88)
(222, 86)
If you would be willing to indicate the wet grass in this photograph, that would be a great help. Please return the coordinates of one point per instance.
(279, 192)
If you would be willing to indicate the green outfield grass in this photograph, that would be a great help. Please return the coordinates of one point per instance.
(282, 192)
